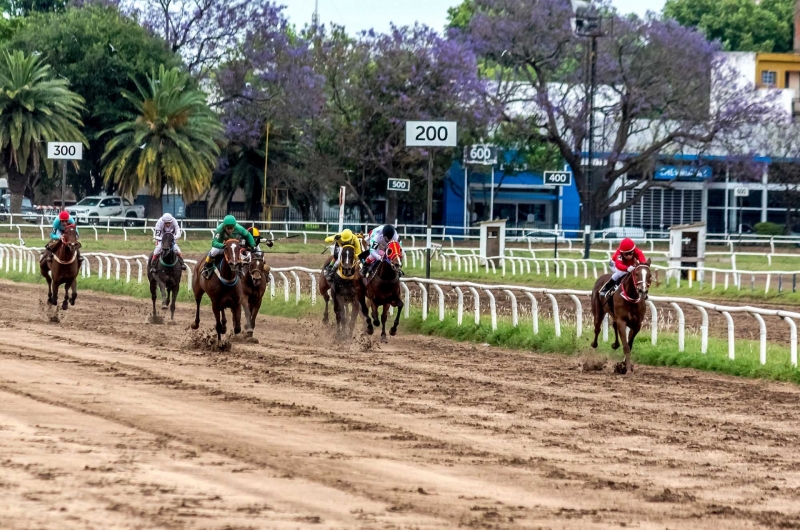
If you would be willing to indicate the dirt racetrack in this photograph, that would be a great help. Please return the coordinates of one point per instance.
(109, 422)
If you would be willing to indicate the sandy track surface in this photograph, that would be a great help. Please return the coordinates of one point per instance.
(107, 421)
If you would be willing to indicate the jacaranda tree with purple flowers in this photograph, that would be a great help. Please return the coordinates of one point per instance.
(663, 90)
(377, 82)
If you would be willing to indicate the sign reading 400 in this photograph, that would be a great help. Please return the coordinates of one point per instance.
(557, 178)
(431, 134)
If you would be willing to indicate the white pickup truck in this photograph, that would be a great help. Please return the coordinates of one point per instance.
(99, 209)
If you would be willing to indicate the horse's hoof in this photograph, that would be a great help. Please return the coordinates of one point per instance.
(64, 306)
(237, 330)
(615, 346)
(370, 331)
(384, 339)
(594, 344)
(393, 332)
(376, 322)
(71, 301)
(619, 368)
(195, 325)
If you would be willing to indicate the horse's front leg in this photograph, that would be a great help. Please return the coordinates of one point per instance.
(236, 313)
(164, 295)
(50, 298)
(220, 327)
(248, 325)
(384, 315)
(616, 335)
(374, 307)
(325, 294)
(622, 327)
(174, 299)
(65, 303)
(223, 320)
(399, 309)
(74, 287)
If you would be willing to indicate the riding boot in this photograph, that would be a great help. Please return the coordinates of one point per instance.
(329, 272)
(80, 259)
(609, 288)
(180, 260)
(208, 268)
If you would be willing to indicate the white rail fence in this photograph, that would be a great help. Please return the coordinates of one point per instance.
(121, 268)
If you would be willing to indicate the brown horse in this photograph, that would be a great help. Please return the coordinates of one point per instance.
(382, 288)
(626, 307)
(167, 276)
(223, 288)
(254, 285)
(343, 289)
(63, 269)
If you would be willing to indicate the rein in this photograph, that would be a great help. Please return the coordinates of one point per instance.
(65, 245)
(625, 295)
(168, 265)
(228, 283)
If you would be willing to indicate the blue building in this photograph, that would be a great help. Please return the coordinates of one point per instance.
(521, 198)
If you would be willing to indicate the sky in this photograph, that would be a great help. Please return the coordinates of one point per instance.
(358, 15)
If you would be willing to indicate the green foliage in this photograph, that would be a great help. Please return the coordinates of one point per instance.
(22, 8)
(100, 52)
(770, 229)
(740, 25)
(171, 140)
(460, 15)
(35, 107)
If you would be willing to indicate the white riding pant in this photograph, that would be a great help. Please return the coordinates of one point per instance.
(175, 248)
(618, 274)
(216, 252)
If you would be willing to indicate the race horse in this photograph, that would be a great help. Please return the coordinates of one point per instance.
(254, 285)
(64, 268)
(167, 276)
(626, 308)
(223, 287)
(382, 288)
(343, 289)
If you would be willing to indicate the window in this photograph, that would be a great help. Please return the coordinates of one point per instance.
(769, 78)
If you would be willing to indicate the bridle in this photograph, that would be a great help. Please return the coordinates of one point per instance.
(255, 261)
(73, 246)
(347, 273)
(234, 263)
(642, 286)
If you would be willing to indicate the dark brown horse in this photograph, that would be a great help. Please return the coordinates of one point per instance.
(254, 285)
(382, 288)
(626, 308)
(223, 288)
(343, 289)
(63, 269)
(167, 276)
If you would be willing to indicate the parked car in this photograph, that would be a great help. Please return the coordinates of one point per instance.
(28, 212)
(99, 209)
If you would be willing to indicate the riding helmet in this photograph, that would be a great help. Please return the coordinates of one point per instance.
(254, 231)
(63, 216)
(627, 245)
(229, 220)
(347, 235)
(388, 232)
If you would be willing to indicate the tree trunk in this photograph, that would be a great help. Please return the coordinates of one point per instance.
(391, 207)
(155, 209)
(17, 182)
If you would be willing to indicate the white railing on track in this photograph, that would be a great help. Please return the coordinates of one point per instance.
(25, 260)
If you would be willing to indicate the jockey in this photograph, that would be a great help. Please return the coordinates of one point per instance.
(624, 260)
(257, 238)
(378, 240)
(59, 224)
(228, 229)
(346, 237)
(167, 225)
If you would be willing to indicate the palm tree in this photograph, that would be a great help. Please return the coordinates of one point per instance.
(35, 108)
(171, 140)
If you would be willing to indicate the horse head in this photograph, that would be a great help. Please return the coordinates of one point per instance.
(233, 254)
(69, 237)
(394, 255)
(347, 261)
(255, 266)
(642, 278)
(167, 241)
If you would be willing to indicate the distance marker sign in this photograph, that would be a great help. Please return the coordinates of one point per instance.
(398, 185)
(557, 178)
(431, 134)
(64, 150)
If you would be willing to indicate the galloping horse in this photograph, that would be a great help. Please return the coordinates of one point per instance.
(222, 288)
(167, 276)
(344, 291)
(254, 285)
(64, 268)
(382, 288)
(626, 307)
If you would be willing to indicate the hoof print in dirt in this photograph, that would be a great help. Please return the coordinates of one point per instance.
(251, 340)
(54, 318)
(206, 341)
(156, 319)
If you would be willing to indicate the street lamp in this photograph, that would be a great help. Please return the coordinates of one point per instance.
(588, 22)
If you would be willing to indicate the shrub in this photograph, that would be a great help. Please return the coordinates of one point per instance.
(769, 229)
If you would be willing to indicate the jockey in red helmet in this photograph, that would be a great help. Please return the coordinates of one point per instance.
(624, 260)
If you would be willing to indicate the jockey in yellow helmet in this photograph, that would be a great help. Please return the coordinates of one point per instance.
(346, 237)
